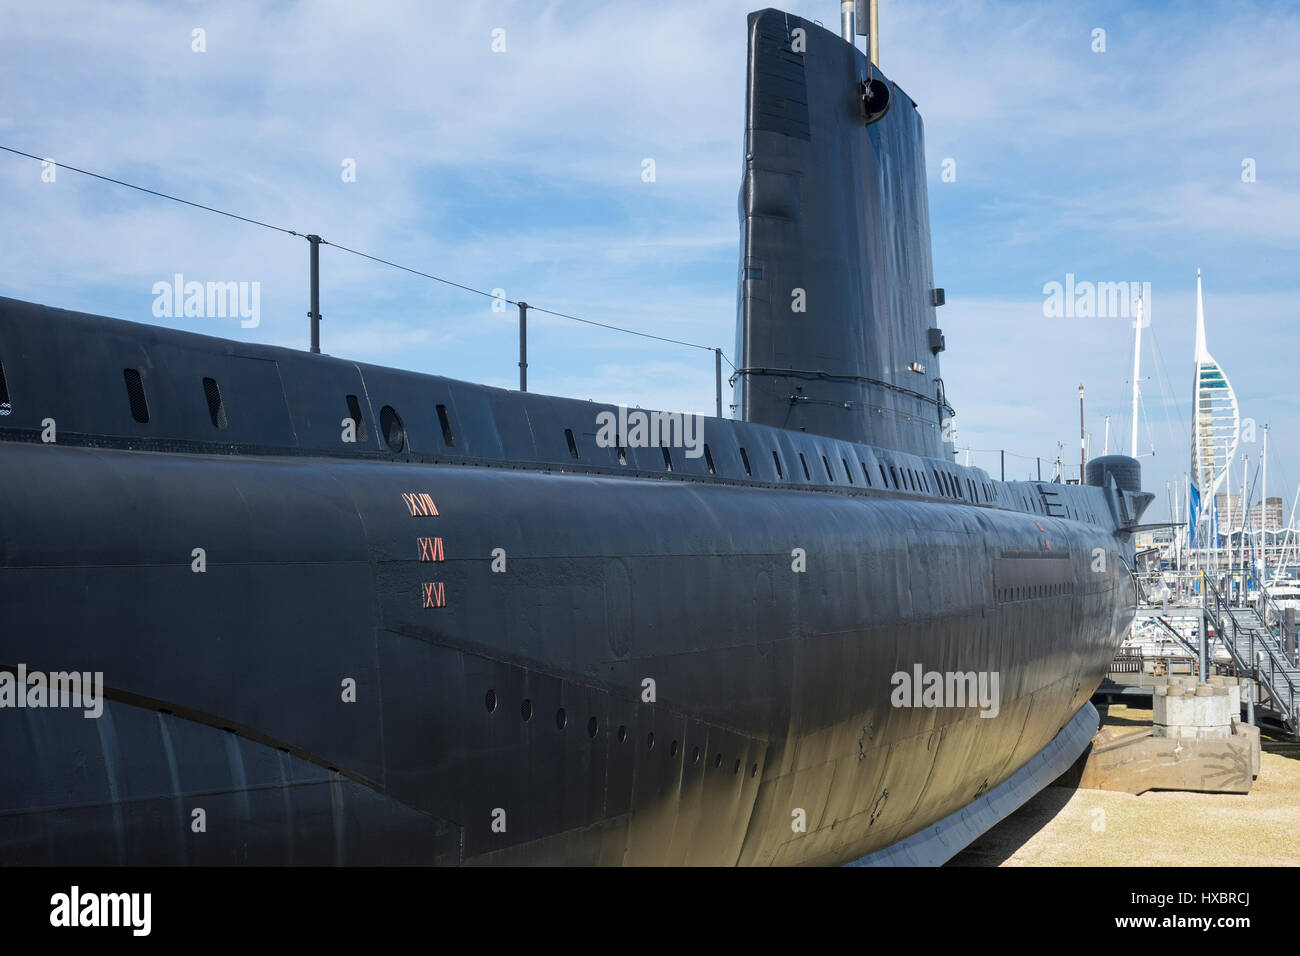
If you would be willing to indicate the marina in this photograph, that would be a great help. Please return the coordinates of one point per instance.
(1216, 615)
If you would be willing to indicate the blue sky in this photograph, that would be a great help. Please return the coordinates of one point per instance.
(521, 170)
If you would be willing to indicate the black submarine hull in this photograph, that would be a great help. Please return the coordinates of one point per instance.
(345, 614)
(771, 684)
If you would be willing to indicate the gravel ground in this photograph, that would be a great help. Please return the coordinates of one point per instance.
(1068, 827)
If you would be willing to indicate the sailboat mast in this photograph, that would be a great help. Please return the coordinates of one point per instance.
(1263, 516)
(1227, 498)
(1288, 540)
(1137, 364)
(1245, 508)
(1178, 531)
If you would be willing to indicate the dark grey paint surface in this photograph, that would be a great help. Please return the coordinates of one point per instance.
(225, 686)
(614, 574)
(834, 219)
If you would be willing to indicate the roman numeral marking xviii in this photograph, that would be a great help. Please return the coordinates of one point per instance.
(420, 504)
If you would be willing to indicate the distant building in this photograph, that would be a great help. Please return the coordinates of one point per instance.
(1160, 537)
(1215, 435)
(1229, 507)
(1273, 514)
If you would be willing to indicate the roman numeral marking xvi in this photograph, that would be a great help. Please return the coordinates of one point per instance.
(434, 595)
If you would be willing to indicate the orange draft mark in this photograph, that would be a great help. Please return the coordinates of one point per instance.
(420, 504)
(435, 594)
(430, 549)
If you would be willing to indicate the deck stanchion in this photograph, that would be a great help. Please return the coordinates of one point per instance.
(314, 314)
(717, 372)
(523, 346)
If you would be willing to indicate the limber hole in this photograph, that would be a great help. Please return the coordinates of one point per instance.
(135, 395)
(448, 438)
(216, 409)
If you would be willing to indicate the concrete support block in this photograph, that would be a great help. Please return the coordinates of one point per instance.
(1195, 743)
(1185, 710)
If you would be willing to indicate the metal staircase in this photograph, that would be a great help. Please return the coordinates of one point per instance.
(1257, 650)
(1178, 638)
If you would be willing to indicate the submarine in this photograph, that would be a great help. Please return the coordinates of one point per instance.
(260, 606)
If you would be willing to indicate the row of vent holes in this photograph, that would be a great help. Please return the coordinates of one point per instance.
(951, 487)
(140, 403)
(490, 701)
(911, 480)
(1033, 591)
(389, 420)
(395, 436)
(391, 423)
(391, 427)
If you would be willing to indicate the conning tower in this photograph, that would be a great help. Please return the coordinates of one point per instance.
(836, 325)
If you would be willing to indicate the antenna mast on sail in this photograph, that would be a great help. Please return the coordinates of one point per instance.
(858, 19)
